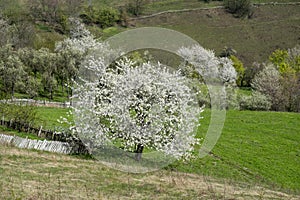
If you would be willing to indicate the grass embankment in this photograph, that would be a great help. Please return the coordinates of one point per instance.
(48, 117)
(253, 39)
(29, 174)
(255, 148)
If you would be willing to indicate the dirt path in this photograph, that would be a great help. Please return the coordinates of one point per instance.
(209, 8)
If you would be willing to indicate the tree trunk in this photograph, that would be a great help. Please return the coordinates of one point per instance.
(12, 91)
(139, 151)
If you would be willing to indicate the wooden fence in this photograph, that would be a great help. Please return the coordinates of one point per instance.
(37, 103)
(76, 145)
(43, 145)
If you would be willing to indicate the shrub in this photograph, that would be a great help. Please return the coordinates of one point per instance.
(257, 101)
(268, 82)
(135, 7)
(107, 17)
(239, 68)
(104, 17)
(239, 8)
(20, 114)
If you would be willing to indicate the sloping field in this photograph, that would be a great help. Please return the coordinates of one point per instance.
(272, 27)
(36, 175)
(258, 153)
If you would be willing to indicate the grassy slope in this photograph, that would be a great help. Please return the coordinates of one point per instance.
(272, 27)
(47, 117)
(255, 147)
(29, 174)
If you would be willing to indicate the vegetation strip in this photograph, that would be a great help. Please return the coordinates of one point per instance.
(175, 11)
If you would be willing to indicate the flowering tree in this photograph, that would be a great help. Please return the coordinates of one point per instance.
(129, 106)
(268, 83)
(212, 68)
(140, 107)
(218, 73)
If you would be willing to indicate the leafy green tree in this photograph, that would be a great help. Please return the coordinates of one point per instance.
(104, 17)
(11, 71)
(6, 32)
(107, 17)
(279, 58)
(287, 61)
(48, 70)
(22, 114)
(136, 7)
(239, 68)
(239, 8)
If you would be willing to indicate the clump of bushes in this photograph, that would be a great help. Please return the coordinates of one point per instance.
(256, 101)
(239, 8)
(104, 17)
(19, 114)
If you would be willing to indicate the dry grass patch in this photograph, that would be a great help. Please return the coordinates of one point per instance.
(27, 174)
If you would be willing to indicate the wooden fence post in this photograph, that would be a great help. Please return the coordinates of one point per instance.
(39, 134)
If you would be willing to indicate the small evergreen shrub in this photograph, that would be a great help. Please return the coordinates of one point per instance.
(239, 8)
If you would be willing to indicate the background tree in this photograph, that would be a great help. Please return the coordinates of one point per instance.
(287, 62)
(239, 8)
(136, 7)
(218, 73)
(11, 71)
(268, 83)
(6, 32)
(45, 10)
(250, 73)
(239, 68)
(49, 69)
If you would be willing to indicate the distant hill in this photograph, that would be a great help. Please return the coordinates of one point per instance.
(271, 27)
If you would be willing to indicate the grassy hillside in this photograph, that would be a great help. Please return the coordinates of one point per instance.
(29, 174)
(272, 27)
(255, 148)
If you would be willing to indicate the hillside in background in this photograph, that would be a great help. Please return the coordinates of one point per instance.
(271, 28)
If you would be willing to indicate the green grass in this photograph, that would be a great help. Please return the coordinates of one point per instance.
(159, 6)
(255, 147)
(164, 5)
(29, 174)
(47, 117)
(8, 131)
(244, 91)
(253, 39)
(111, 31)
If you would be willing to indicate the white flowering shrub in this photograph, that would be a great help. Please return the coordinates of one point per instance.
(212, 68)
(267, 82)
(218, 73)
(256, 101)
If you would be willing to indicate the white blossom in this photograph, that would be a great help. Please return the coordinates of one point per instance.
(212, 68)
